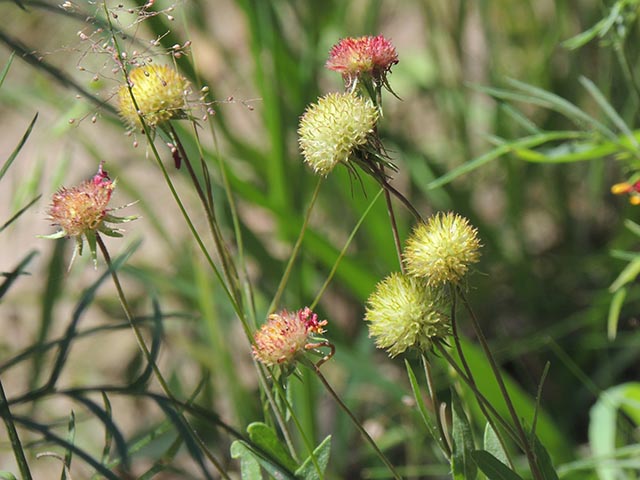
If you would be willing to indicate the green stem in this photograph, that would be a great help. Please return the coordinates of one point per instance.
(14, 439)
(528, 450)
(479, 396)
(444, 444)
(296, 249)
(465, 365)
(334, 268)
(147, 354)
(355, 421)
(394, 229)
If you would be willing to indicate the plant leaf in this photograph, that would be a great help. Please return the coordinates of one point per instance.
(462, 465)
(249, 466)
(493, 446)
(308, 470)
(493, 468)
(267, 440)
(614, 313)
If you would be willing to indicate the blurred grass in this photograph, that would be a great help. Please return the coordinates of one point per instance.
(547, 228)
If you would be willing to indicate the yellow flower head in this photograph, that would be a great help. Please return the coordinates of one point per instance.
(441, 250)
(332, 129)
(159, 92)
(285, 335)
(404, 312)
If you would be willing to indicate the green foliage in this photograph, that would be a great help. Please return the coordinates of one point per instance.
(511, 115)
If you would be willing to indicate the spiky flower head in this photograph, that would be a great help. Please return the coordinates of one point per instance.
(355, 58)
(334, 128)
(159, 92)
(632, 189)
(82, 211)
(442, 249)
(285, 336)
(404, 312)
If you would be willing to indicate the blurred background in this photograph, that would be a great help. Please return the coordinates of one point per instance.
(548, 230)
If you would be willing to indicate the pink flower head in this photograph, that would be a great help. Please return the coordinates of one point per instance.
(83, 211)
(355, 57)
(285, 335)
(82, 208)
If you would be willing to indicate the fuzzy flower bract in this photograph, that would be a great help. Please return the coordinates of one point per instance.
(442, 249)
(159, 92)
(332, 129)
(285, 335)
(82, 211)
(404, 312)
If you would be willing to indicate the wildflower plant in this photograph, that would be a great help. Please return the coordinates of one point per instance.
(336, 130)
(422, 310)
(442, 250)
(82, 212)
(286, 335)
(157, 93)
(404, 312)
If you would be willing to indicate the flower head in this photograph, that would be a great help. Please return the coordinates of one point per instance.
(159, 92)
(633, 190)
(404, 312)
(82, 211)
(285, 336)
(441, 250)
(332, 129)
(357, 57)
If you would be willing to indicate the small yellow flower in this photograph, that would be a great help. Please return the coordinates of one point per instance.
(441, 250)
(285, 335)
(332, 129)
(404, 312)
(159, 92)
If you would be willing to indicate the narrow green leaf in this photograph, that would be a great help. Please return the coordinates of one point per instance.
(71, 437)
(5, 70)
(462, 465)
(544, 461)
(541, 97)
(627, 275)
(422, 408)
(16, 150)
(493, 446)
(603, 425)
(504, 149)
(108, 435)
(7, 475)
(307, 470)
(614, 313)
(267, 440)
(12, 276)
(16, 215)
(632, 226)
(493, 468)
(14, 439)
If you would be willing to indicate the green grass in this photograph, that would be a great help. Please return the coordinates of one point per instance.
(507, 117)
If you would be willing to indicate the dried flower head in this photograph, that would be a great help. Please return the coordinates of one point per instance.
(82, 211)
(404, 312)
(159, 92)
(357, 57)
(285, 336)
(632, 189)
(442, 249)
(332, 129)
